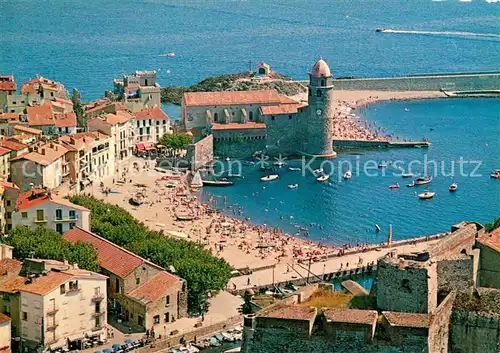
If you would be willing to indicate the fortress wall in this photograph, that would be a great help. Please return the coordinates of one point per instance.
(201, 152)
(464, 82)
(440, 326)
(474, 332)
(456, 242)
(456, 274)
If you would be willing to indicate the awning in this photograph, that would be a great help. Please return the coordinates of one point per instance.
(140, 146)
(76, 337)
(93, 333)
(149, 147)
(60, 343)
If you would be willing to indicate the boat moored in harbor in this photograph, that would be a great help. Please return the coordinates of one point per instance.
(270, 177)
(221, 182)
(422, 180)
(426, 195)
(293, 186)
(347, 175)
(453, 187)
(323, 178)
(394, 186)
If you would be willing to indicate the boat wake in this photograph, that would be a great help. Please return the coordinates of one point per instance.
(445, 33)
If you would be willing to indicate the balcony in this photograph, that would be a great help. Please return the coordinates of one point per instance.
(74, 289)
(52, 311)
(97, 297)
(40, 221)
(52, 326)
(100, 313)
(66, 219)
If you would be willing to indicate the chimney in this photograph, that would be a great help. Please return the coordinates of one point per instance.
(75, 267)
(43, 151)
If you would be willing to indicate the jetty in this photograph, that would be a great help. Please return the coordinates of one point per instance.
(363, 144)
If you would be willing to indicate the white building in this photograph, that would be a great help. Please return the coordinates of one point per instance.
(39, 207)
(119, 127)
(150, 125)
(5, 328)
(59, 305)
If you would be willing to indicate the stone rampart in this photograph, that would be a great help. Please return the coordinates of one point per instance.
(201, 152)
(475, 332)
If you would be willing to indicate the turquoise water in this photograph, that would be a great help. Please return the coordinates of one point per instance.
(86, 44)
(349, 210)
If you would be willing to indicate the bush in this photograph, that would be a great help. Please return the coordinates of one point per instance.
(203, 272)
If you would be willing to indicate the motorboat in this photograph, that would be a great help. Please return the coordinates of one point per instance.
(377, 228)
(394, 186)
(323, 178)
(293, 186)
(347, 175)
(171, 53)
(422, 180)
(214, 342)
(426, 195)
(227, 336)
(407, 110)
(406, 175)
(380, 30)
(294, 169)
(279, 164)
(228, 159)
(270, 177)
(495, 174)
(382, 165)
(185, 217)
(221, 182)
(412, 184)
(318, 171)
(453, 187)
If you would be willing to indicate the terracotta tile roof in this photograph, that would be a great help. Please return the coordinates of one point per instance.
(33, 85)
(193, 99)
(156, 288)
(63, 101)
(282, 311)
(4, 151)
(10, 116)
(4, 318)
(407, 319)
(7, 83)
(65, 120)
(40, 285)
(28, 129)
(288, 100)
(132, 87)
(238, 126)
(12, 145)
(491, 240)
(120, 117)
(351, 316)
(279, 109)
(7, 184)
(9, 267)
(44, 155)
(155, 113)
(36, 197)
(111, 257)
(40, 115)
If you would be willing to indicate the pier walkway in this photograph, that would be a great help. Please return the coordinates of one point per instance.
(297, 273)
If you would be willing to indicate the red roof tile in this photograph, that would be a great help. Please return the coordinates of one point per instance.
(155, 113)
(10, 116)
(352, 316)
(280, 109)
(111, 257)
(31, 86)
(156, 288)
(407, 319)
(193, 99)
(36, 197)
(40, 115)
(10, 267)
(4, 151)
(238, 126)
(44, 155)
(7, 83)
(292, 312)
(40, 285)
(12, 145)
(28, 130)
(4, 318)
(7, 184)
(65, 120)
(491, 240)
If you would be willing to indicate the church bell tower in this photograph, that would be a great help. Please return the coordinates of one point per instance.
(320, 112)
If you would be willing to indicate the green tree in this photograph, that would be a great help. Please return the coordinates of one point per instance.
(490, 227)
(78, 109)
(176, 142)
(203, 272)
(46, 243)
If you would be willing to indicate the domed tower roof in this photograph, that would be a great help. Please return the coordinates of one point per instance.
(321, 69)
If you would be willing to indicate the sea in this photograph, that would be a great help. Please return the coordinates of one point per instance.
(86, 44)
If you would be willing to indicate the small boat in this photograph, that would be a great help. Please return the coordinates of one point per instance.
(412, 184)
(495, 174)
(380, 30)
(270, 177)
(407, 175)
(171, 53)
(394, 186)
(426, 195)
(214, 342)
(196, 182)
(382, 165)
(135, 201)
(347, 175)
(279, 164)
(219, 337)
(318, 171)
(377, 228)
(293, 186)
(453, 187)
(407, 110)
(423, 180)
(323, 178)
(185, 217)
(222, 182)
(228, 159)
(294, 169)
(227, 336)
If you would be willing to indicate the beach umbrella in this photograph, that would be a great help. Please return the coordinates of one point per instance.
(128, 341)
(107, 350)
(97, 352)
(117, 347)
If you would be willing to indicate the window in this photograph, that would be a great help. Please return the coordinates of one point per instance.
(323, 82)
(24, 215)
(117, 285)
(164, 122)
(8, 203)
(40, 215)
(148, 130)
(289, 117)
(52, 94)
(72, 214)
(140, 131)
(25, 316)
(14, 102)
(62, 288)
(72, 225)
(167, 300)
(97, 321)
(250, 116)
(138, 123)
(156, 319)
(157, 122)
(150, 122)
(59, 214)
(59, 228)
(318, 93)
(272, 117)
(167, 317)
(8, 215)
(216, 117)
(137, 280)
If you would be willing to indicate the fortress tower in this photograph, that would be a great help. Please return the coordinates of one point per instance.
(319, 117)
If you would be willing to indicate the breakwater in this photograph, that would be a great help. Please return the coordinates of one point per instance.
(366, 144)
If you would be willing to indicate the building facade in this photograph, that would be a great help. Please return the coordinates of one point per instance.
(36, 208)
(143, 293)
(138, 90)
(150, 124)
